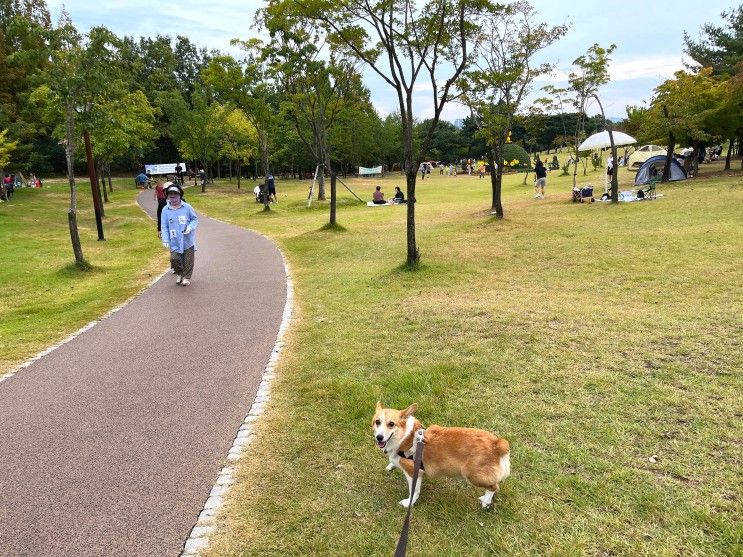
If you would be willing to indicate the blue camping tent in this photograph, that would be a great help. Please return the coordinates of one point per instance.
(654, 167)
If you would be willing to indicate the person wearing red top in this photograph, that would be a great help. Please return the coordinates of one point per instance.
(161, 199)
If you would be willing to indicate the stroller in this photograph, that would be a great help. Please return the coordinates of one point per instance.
(259, 194)
(581, 193)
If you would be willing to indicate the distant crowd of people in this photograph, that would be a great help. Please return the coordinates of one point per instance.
(12, 181)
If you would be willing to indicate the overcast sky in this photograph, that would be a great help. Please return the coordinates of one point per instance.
(648, 35)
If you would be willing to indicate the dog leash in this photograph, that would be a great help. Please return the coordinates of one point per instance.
(402, 543)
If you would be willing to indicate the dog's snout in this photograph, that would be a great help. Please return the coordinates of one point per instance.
(380, 437)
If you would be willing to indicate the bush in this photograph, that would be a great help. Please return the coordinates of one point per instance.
(513, 151)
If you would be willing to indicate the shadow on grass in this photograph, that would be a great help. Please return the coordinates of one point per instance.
(73, 270)
(332, 227)
(265, 212)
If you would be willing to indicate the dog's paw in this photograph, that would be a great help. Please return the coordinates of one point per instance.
(390, 467)
(405, 502)
(485, 501)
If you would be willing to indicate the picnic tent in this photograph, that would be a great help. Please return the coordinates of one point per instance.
(654, 167)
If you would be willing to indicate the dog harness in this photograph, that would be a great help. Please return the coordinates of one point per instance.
(411, 456)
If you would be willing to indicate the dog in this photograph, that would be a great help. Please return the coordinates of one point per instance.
(478, 456)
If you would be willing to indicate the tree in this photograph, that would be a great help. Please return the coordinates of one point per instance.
(502, 77)
(120, 127)
(197, 130)
(356, 139)
(315, 90)
(729, 114)
(6, 147)
(684, 109)
(66, 86)
(246, 85)
(719, 48)
(447, 143)
(239, 139)
(34, 11)
(402, 43)
(591, 73)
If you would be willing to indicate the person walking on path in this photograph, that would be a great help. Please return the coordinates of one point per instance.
(541, 180)
(178, 224)
(161, 199)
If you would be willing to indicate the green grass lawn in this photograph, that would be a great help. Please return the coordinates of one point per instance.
(44, 296)
(592, 336)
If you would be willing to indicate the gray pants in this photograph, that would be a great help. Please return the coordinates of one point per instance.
(183, 262)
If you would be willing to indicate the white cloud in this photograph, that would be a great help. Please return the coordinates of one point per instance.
(660, 67)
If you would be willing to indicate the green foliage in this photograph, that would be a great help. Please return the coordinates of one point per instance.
(6, 147)
(197, 128)
(239, 137)
(122, 127)
(515, 152)
(721, 47)
(686, 106)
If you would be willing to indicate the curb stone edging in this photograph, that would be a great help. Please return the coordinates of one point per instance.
(80, 331)
(198, 538)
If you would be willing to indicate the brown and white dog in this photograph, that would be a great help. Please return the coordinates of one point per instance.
(478, 456)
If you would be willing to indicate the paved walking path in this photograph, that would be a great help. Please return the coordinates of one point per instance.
(110, 444)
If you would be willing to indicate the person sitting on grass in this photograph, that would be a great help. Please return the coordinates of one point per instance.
(399, 196)
(141, 180)
(378, 197)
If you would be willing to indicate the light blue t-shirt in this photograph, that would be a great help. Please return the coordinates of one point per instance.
(173, 223)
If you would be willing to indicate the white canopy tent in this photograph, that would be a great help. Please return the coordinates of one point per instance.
(600, 140)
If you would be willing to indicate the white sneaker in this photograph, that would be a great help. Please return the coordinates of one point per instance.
(179, 280)
(185, 282)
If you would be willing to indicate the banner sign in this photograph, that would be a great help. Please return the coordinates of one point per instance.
(369, 171)
(164, 168)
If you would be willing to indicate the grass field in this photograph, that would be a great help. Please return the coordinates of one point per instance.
(44, 296)
(593, 337)
(602, 341)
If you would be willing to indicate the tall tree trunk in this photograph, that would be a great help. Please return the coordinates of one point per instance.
(239, 172)
(100, 177)
(97, 205)
(495, 160)
(77, 248)
(321, 183)
(695, 154)
(669, 154)
(730, 153)
(332, 198)
(413, 255)
(108, 173)
(669, 151)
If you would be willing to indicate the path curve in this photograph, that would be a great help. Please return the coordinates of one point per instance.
(109, 445)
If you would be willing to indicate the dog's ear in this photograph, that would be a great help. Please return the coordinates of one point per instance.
(410, 410)
(379, 406)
